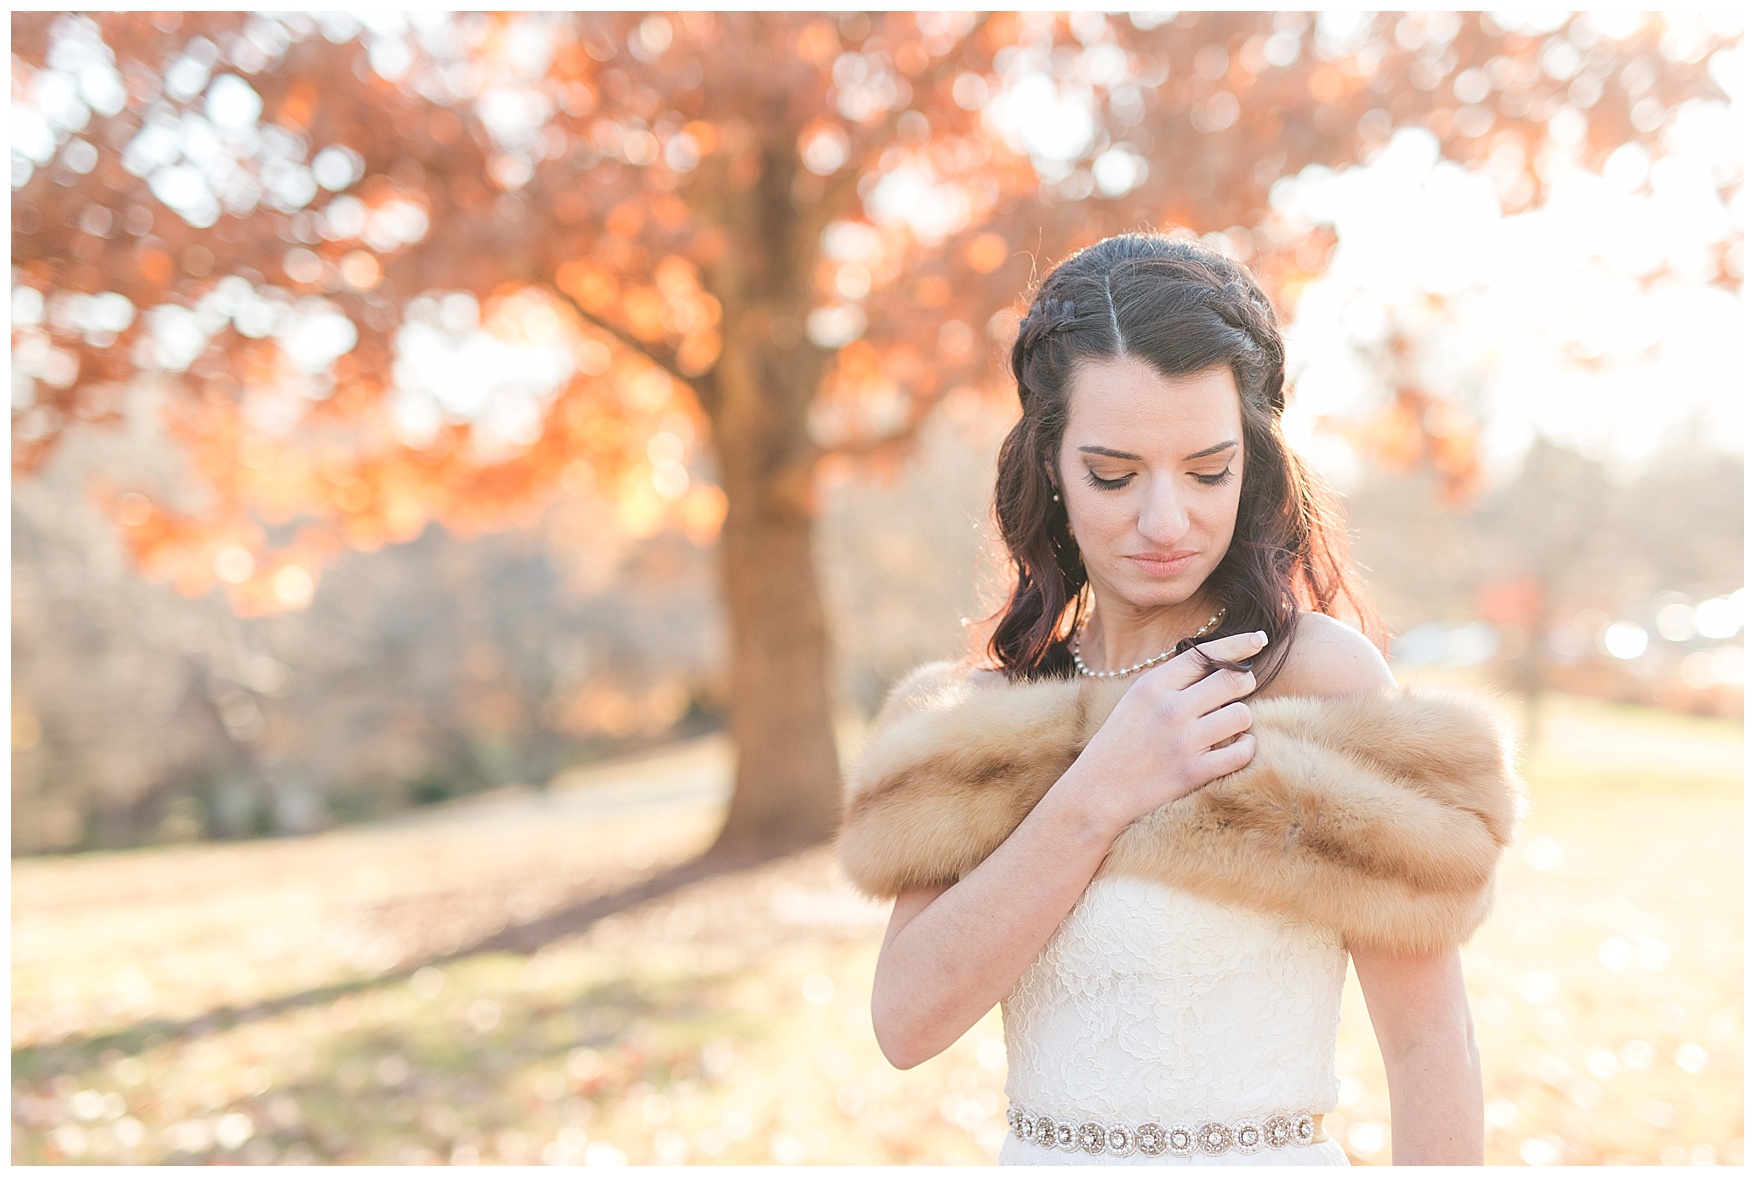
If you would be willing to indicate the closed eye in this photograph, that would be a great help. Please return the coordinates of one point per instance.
(1219, 479)
(1107, 483)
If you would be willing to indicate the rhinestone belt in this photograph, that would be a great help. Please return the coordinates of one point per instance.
(1179, 1140)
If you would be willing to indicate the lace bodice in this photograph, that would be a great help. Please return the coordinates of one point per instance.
(1150, 1003)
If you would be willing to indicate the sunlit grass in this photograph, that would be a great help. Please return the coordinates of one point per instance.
(728, 1023)
(1607, 986)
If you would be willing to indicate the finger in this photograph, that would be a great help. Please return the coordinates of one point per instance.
(1187, 668)
(1216, 690)
(1224, 761)
(1230, 720)
(1234, 646)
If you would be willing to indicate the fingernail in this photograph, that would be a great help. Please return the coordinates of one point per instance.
(1260, 636)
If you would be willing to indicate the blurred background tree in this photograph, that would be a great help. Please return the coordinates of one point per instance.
(631, 275)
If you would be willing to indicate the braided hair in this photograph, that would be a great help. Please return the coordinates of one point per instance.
(1180, 308)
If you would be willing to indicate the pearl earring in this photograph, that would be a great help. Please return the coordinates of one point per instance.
(1057, 496)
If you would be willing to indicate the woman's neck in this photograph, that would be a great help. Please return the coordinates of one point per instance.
(1118, 634)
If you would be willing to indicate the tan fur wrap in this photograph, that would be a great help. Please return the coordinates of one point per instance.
(1382, 816)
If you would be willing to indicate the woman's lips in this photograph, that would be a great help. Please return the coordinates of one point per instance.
(1167, 565)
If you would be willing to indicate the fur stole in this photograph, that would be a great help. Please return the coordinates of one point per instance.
(1381, 816)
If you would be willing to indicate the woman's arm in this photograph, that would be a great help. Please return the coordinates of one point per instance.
(1419, 1008)
(1420, 1012)
(951, 953)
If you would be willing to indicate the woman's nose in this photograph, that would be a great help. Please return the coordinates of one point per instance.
(1163, 519)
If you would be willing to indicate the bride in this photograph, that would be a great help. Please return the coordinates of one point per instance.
(1155, 826)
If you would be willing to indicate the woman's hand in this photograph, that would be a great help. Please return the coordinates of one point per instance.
(951, 952)
(1162, 741)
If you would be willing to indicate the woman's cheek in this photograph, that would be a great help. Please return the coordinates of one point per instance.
(1107, 516)
(1228, 522)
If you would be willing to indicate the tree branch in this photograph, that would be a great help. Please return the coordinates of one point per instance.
(702, 389)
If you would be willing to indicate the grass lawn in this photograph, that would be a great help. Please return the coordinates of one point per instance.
(250, 1002)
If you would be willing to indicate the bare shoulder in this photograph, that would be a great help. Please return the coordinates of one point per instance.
(1330, 657)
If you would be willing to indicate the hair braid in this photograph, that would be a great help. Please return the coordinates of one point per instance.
(1181, 309)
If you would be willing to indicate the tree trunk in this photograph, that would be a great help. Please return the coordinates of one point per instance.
(787, 791)
(787, 783)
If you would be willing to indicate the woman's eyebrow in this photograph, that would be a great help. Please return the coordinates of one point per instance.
(1106, 452)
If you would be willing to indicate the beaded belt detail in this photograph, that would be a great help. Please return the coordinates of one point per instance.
(1212, 1138)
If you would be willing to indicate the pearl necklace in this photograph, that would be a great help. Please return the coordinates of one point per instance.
(1089, 673)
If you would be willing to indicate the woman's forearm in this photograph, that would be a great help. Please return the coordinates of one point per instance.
(959, 955)
(949, 956)
(1436, 1116)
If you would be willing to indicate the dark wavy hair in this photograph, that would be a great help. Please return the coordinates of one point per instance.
(1182, 309)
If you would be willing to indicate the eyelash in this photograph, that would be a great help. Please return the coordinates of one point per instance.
(1219, 479)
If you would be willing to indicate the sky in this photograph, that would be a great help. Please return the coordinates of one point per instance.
(1589, 318)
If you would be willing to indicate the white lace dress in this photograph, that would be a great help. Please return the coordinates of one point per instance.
(1152, 1005)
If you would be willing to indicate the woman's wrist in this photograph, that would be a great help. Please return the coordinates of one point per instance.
(1086, 807)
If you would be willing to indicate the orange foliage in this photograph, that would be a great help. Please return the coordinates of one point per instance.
(652, 207)
(1412, 428)
(987, 252)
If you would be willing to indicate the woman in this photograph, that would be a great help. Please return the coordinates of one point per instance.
(1149, 503)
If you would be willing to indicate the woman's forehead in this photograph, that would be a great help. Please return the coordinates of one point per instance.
(1128, 405)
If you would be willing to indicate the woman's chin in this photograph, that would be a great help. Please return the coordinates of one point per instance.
(1147, 591)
